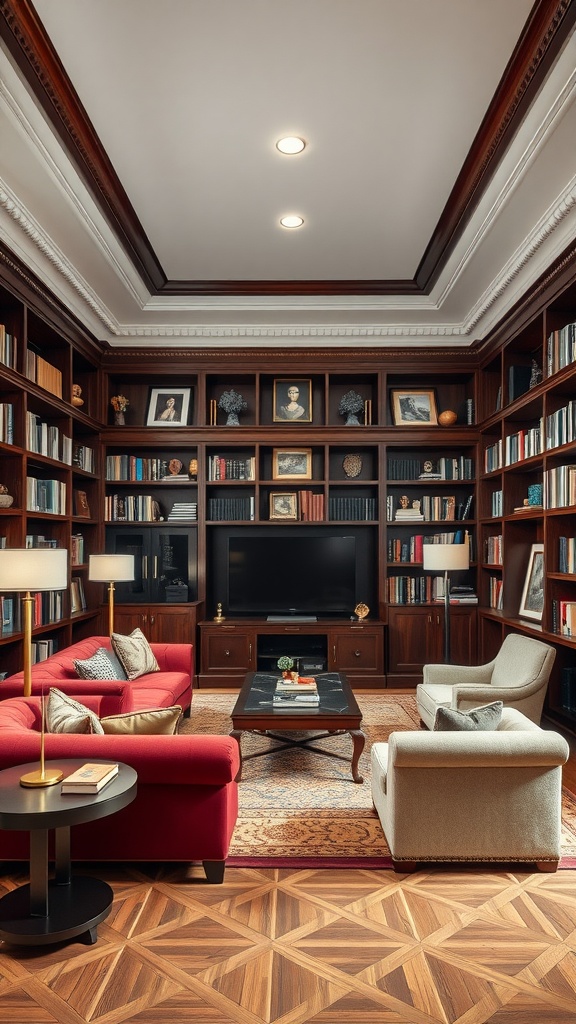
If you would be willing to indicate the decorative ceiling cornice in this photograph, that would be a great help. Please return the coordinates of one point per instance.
(546, 31)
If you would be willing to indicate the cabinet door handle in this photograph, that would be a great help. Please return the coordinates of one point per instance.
(227, 653)
(334, 654)
(357, 654)
(155, 567)
(144, 567)
(250, 653)
(152, 619)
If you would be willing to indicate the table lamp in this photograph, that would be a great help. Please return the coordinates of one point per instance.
(111, 569)
(27, 571)
(446, 558)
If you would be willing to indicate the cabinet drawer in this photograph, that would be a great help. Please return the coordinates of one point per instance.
(358, 652)
(227, 652)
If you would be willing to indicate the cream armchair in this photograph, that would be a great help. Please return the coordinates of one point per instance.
(518, 676)
(471, 796)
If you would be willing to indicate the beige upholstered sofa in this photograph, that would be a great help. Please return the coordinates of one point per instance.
(471, 796)
(518, 676)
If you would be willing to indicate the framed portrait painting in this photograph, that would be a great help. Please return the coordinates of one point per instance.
(532, 600)
(414, 407)
(292, 464)
(168, 407)
(292, 401)
(283, 506)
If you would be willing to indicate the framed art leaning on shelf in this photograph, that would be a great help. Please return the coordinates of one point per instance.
(532, 600)
(414, 408)
(168, 407)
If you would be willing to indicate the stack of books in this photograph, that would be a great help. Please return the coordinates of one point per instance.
(296, 696)
(89, 779)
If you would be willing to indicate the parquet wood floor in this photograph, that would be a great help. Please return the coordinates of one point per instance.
(287, 946)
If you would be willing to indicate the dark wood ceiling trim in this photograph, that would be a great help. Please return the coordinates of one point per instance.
(543, 36)
(26, 38)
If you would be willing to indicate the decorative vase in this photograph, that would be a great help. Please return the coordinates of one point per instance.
(6, 500)
(119, 420)
(286, 675)
(352, 420)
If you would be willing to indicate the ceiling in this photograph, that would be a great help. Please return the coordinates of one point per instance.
(140, 180)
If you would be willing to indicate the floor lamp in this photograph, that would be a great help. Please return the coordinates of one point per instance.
(446, 558)
(111, 569)
(27, 571)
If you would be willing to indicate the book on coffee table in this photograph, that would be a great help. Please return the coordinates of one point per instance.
(90, 778)
(290, 686)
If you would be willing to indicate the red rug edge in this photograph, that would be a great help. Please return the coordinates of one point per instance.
(370, 863)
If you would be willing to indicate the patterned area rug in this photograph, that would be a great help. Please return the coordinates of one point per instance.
(301, 805)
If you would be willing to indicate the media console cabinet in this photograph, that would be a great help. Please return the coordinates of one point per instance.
(230, 649)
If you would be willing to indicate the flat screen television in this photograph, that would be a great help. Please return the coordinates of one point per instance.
(292, 575)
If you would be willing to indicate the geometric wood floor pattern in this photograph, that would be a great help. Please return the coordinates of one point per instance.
(322, 946)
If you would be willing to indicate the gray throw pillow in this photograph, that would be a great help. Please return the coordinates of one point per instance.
(102, 665)
(64, 714)
(482, 719)
(135, 653)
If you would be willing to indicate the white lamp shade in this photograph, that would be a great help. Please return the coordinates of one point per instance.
(445, 557)
(111, 568)
(33, 569)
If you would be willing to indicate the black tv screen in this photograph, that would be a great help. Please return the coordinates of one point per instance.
(291, 575)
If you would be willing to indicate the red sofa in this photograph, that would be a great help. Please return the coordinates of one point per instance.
(187, 801)
(171, 685)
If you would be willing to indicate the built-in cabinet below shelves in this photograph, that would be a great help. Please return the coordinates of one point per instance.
(232, 648)
(160, 623)
(416, 638)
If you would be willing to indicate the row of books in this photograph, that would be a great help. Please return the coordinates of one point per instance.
(77, 550)
(493, 549)
(493, 456)
(497, 503)
(11, 613)
(310, 506)
(495, 593)
(564, 617)
(232, 508)
(460, 467)
(560, 348)
(83, 457)
(77, 596)
(223, 468)
(47, 439)
(412, 589)
(296, 695)
(37, 540)
(567, 554)
(8, 347)
(43, 373)
(42, 649)
(353, 508)
(45, 496)
(561, 426)
(134, 468)
(131, 508)
(524, 444)
(7, 422)
(411, 549)
(560, 487)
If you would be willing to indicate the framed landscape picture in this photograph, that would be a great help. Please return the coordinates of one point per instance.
(292, 464)
(532, 600)
(168, 407)
(283, 506)
(414, 407)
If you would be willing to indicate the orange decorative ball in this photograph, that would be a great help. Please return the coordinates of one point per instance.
(446, 419)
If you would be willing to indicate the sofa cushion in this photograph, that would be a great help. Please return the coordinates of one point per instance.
(135, 653)
(149, 722)
(102, 665)
(64, 714)
(482, 719)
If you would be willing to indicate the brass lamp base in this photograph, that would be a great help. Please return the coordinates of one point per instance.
(42, 778)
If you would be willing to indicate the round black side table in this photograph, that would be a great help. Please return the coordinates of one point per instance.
(53, 910)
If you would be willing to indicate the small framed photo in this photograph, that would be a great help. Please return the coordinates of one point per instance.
(292, 400)
(292, 464)
(168, 407)
(532, 600)
(283, 506)
(414, 408)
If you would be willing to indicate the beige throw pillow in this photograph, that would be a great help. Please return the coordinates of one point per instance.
(64, 714)
(151, 722)
(134, 653)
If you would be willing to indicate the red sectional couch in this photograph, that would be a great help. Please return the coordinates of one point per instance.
(187, 801)
(171, 685)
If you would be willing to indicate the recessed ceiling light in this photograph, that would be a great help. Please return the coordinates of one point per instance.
(290, 145)
(292, 221)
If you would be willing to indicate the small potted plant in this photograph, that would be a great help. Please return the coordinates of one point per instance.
(285, 664)
(350, 405)
(232, 403)
(119, 403)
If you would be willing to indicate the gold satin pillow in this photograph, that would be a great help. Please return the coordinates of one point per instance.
(149, 722)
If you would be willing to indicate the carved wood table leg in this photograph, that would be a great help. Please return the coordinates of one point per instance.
(358, 740)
